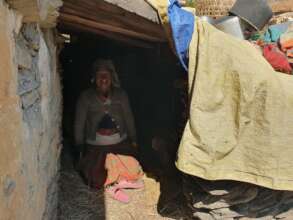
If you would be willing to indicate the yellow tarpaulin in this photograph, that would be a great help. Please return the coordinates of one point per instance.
(240, 125)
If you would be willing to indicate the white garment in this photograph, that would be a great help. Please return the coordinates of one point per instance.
(104, 140)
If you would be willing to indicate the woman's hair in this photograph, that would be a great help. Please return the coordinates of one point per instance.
(103, 64)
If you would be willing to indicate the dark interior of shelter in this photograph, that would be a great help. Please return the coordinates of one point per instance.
(151, 76)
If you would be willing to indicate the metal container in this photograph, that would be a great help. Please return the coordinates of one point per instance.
(208, 19)
(255, 12)
(231, 25)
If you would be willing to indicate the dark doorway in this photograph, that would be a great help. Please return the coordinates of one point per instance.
(149, 77)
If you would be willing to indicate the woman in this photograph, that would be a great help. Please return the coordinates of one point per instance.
(105, 131)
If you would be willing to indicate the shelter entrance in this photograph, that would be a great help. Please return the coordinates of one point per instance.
(130, 34)
(148, 76)
(154, 81)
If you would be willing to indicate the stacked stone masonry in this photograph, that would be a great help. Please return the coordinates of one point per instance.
(30, 118)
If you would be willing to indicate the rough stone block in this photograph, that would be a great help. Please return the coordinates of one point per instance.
(33, 116)
(49, 12)
(51, 200)
(23, 56)
(27, 82)
(42, 11)
(31, 33)
(30, 98)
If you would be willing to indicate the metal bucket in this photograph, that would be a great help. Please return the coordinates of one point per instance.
(231, 25)
(255, 12)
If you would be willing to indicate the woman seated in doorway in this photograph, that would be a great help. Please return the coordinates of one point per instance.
(105, 133)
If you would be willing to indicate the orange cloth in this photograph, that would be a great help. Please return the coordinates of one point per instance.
(104, 165)
(287, 44)
(121, 167)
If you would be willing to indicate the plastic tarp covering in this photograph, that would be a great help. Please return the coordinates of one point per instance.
(182, 24)
(240, 125)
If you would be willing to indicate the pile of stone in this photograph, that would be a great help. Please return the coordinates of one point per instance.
(215, 200)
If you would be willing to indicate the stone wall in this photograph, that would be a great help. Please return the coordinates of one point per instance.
(30, 119)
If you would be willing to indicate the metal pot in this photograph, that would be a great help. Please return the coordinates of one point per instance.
(231, 25)
(255, 12)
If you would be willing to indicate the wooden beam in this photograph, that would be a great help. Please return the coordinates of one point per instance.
(69, 27)
(67, 18)
(134, 23)
(101, 5)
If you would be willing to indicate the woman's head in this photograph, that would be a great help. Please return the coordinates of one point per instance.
(104, 75)
(103, 81)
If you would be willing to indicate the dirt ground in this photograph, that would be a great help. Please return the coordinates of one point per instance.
(77, 201)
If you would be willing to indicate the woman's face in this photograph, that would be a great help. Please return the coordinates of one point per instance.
(103, 81)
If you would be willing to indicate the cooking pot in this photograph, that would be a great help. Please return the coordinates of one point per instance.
(255, 12)
(231, 25)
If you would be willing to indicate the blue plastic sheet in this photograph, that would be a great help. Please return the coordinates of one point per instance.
(182, 24)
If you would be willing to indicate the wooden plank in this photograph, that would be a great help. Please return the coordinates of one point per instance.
(106, 27)
(114, 20)
(99, 6)
(69, 27)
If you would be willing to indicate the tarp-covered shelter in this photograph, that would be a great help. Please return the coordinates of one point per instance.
(239, 125)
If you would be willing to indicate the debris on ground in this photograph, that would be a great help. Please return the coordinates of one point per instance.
(77, 201)
(235, 200)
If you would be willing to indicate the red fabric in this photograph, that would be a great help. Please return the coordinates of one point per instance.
(106, 132)
(276, 58)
